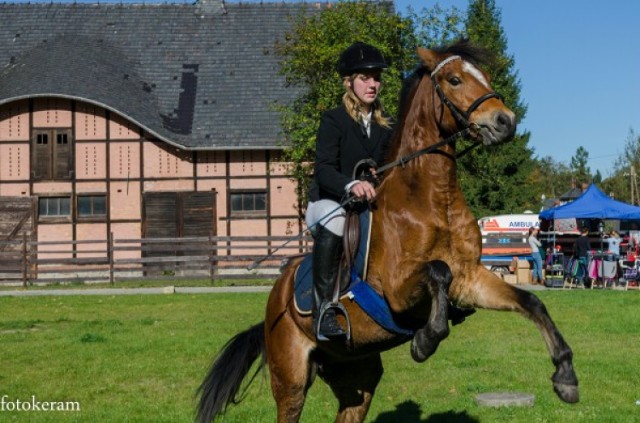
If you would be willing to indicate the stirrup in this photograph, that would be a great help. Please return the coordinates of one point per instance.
(338, 307)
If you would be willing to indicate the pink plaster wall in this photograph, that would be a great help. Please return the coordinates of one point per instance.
(55, 232)
(91, 122)
(122, 129)
(17, 190)
(92, 232)
(283, 197)
(247, 162)
(170, 185)
(125, 200)
(52, 187)
(124, 160)
(249, 227)
(91, 187)
(14, 121)
(257, 183)
(126, 231)
(164, 161)
(211, 163)
(91, 160)
(14, 162)
(51, 113)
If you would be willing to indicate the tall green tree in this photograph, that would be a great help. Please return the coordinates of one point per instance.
(498, 179)
(310, 52)
(578, 164)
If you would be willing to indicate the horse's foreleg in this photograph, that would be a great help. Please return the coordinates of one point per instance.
(354, 384)
(490, 292)
(426, 340)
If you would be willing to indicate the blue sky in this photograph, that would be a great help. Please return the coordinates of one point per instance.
(579, 67)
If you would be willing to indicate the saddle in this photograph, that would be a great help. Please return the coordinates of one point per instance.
(352, 264)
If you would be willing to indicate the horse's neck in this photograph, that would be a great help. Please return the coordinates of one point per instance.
(427, 175)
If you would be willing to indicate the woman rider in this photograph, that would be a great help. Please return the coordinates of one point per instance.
(358, 129)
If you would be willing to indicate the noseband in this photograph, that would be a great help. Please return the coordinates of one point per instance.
(462, 118)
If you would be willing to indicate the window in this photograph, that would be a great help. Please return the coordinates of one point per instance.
(92, 206)
(248, 202)
(51, 154)
(54, 207)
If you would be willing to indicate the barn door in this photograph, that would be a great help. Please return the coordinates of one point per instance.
(178, 215)
(17, 226)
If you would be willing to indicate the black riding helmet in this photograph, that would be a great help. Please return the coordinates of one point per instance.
(360, 56)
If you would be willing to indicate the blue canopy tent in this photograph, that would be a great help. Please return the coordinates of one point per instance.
(593, 204)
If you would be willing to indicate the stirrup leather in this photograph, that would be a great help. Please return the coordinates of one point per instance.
(339, 308)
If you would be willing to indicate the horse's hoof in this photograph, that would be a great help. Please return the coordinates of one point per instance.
(567, 393)
(422, 348)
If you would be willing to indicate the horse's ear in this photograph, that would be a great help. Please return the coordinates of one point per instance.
(428, 57)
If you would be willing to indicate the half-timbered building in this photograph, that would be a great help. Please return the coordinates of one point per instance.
(143, 120)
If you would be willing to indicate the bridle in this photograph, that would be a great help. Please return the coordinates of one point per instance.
(462, 118)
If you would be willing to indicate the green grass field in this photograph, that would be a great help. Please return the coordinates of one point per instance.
(140, 359)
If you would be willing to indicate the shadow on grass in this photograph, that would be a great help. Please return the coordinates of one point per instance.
(409, 412)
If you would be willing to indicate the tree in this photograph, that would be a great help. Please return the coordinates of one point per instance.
(578, 164)
(554, 177)
(310, 52)
(436, 26)
(626, 168)
(498, 179)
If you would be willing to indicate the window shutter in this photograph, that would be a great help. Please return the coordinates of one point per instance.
(41, 155)
(62, 153)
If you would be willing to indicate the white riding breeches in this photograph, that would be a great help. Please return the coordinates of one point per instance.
(327, 213)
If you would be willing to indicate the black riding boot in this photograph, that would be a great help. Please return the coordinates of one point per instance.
(327, 251)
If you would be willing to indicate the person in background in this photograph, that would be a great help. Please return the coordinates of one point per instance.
(581, 250)
(535, 246)
(614, 243)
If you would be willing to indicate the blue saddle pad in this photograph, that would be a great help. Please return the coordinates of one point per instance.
(358, 290)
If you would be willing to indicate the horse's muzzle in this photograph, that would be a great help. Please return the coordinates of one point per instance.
(499, 127)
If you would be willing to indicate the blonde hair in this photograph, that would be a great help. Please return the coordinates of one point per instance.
(354, 106)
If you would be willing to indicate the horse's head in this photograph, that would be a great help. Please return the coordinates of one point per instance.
(467, 99)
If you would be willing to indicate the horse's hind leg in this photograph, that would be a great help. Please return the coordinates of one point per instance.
(354, 384)
(490, 292)
(426, 340)
(290, 367)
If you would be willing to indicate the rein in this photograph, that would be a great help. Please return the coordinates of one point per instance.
(403, 160)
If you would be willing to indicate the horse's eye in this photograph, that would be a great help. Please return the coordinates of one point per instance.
(454, 80)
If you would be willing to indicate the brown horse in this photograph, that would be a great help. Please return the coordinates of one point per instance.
(425, 253)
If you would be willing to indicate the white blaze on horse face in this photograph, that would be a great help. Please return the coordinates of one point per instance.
(469, 68)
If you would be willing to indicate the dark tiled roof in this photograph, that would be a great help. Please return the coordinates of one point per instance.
(201, 76)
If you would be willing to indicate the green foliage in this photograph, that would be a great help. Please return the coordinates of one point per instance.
(625, 171)
(555, 177)
(436, 26)
(579, 167)
(499, 179)
(310, 53)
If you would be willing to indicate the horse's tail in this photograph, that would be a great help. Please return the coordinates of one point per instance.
(232, 364)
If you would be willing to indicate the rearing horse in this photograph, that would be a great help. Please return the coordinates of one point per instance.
(425, 252)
